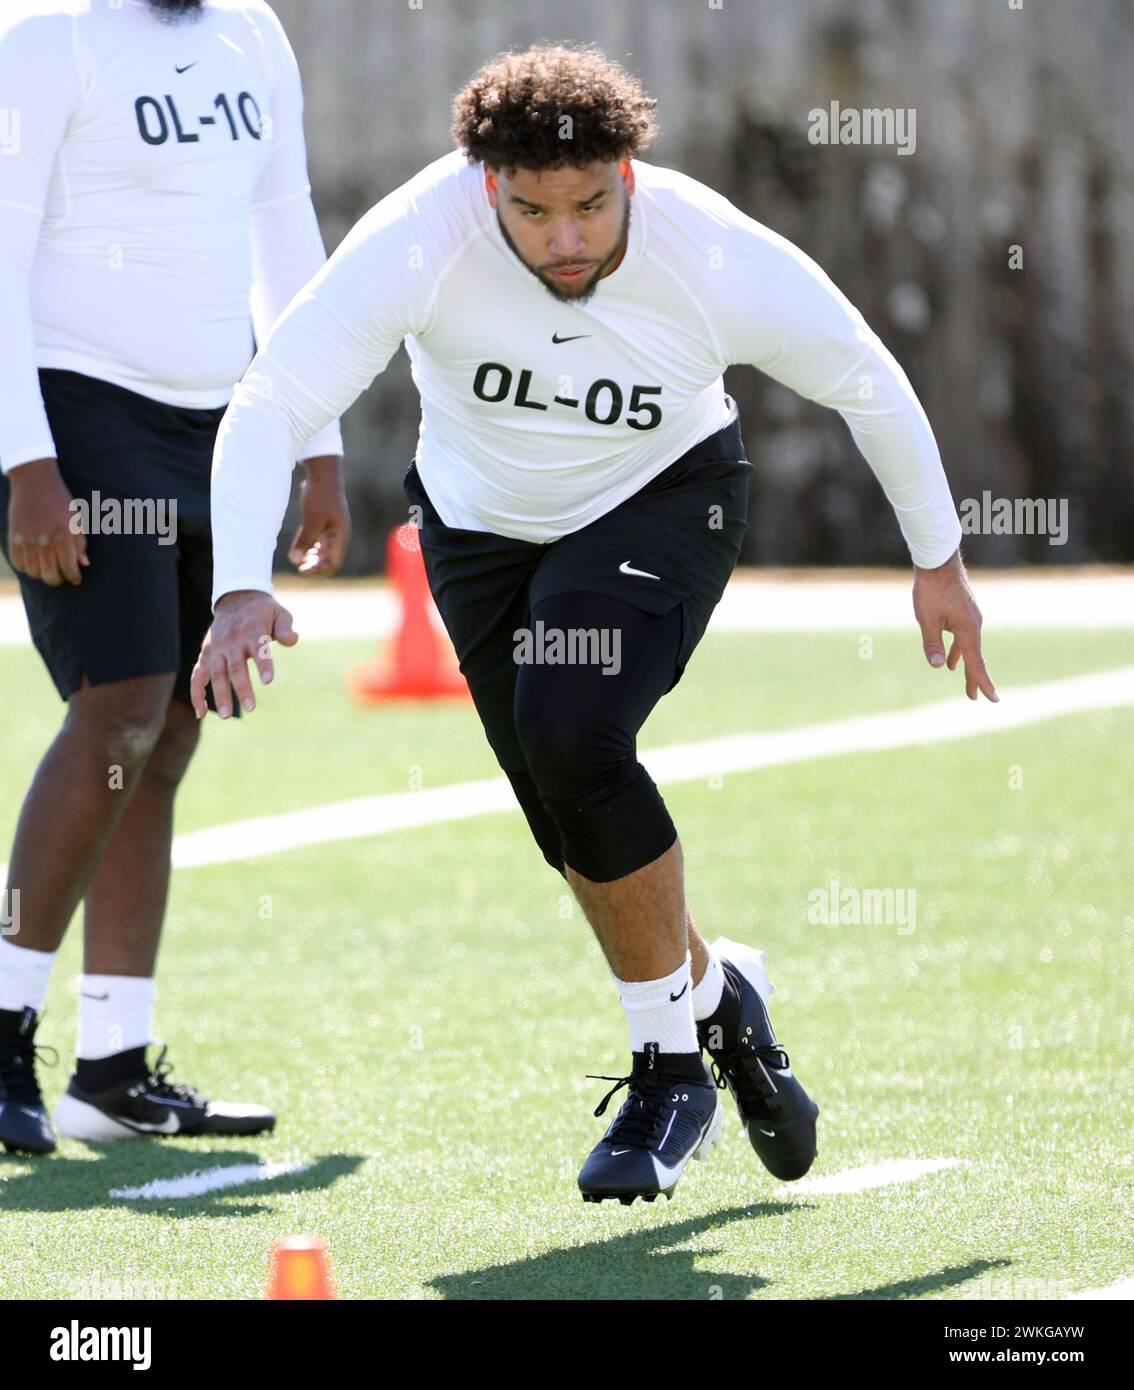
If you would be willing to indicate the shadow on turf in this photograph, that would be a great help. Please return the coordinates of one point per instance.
(635, 1265)
(948, 1278)
(57, 1183)
(638, 1265)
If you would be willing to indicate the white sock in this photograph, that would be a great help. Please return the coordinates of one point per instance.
(24, 974)
(656, 1016)
(707, 994)
(115, 1014)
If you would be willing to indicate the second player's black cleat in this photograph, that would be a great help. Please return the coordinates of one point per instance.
(671, 1114)
(150, 1105)
(777, 1113)
(25, 1126)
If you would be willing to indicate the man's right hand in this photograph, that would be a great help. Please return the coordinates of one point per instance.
(40, 540)
(245, 624)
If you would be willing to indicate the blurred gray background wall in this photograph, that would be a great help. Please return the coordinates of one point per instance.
(1024, 139)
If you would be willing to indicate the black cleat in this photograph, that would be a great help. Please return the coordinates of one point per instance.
(25, 1126)
(666, 1119)
(151, 1105)
(778, 1114)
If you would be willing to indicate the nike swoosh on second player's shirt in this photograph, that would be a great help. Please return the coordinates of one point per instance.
(771, 1133)
(556, 339)
(187, 66)
(626, 568)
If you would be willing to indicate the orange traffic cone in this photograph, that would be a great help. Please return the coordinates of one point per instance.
(299, 1269)
(419, 668)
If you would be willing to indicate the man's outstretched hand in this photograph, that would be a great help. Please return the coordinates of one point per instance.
(943, 602)
(245, 624)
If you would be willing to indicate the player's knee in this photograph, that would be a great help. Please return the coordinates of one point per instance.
(567, 757)
(129, 740)
(540, 822)
(123, 721)
(173, 752)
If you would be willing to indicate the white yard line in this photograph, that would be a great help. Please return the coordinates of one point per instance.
(208, 1180)
(755, 601)
(889, 1173)
(366, 816)
(957, 718)
(358, 819)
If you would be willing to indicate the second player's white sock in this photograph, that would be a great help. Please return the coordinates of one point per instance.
(707, 992)
(24, 974)
(116, 1012)
(661, 1011)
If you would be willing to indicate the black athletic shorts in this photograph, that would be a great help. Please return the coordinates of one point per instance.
(681, 532)
(144, 606)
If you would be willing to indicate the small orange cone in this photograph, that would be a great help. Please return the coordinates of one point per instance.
(423, 665)
(299, 1269)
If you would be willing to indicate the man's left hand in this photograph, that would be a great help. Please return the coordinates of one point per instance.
(943, 602)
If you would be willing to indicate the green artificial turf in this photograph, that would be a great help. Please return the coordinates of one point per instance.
(422, 1007)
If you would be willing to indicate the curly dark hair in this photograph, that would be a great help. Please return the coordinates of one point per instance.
(552, 105)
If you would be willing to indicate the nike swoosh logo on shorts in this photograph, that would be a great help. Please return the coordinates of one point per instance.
(626, 568)
(673, 998)
(555, 338)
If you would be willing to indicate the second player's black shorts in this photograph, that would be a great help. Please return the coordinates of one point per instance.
(681, 532)
(143, 606)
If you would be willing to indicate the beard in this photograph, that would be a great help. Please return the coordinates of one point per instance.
(170, 11)
(562, 292)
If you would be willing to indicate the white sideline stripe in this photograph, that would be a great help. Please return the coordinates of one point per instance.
(208, 1180)
(1121, 1288)
(940, 722)
(358, 819)
(886, 1174)
(367, 816)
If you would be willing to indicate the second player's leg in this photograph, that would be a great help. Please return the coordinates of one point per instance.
(78, 798)
(125, 899)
